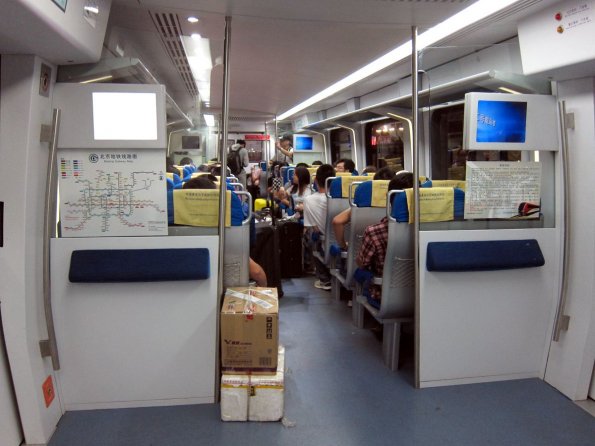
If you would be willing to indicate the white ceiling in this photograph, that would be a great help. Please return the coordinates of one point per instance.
(282, 51)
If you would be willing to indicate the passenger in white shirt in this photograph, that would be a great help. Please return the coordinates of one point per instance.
(315, 219)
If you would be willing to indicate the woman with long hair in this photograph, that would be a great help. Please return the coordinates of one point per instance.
(299, 189)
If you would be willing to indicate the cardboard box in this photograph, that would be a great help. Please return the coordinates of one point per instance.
(250, 331)
(254, 397)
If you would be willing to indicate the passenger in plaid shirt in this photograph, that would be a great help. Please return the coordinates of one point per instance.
(373, 250)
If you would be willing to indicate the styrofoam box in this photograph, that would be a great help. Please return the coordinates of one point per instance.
(253, 397)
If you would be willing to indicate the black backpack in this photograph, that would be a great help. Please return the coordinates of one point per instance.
(233, 161)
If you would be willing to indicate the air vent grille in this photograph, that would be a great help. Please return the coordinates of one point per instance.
(169, 29)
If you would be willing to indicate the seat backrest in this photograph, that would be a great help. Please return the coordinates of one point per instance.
(460, 184)
(398, 276)
(200, 207)
(367, 208)
(337, 199)
(339, 187)
(437, 204)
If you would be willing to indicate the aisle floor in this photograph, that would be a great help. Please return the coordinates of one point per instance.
(338, 392)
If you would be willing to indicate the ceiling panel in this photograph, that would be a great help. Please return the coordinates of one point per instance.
(282, 51)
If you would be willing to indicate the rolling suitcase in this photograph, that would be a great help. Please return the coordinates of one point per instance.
(290, 248)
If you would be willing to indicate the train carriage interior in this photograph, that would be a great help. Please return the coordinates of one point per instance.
(402, 188)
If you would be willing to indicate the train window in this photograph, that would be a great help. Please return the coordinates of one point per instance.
(255, 151)
(447, 153)
(340, 145)
(384, 144)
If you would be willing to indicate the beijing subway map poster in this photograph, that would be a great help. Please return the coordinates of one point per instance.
(111, 193)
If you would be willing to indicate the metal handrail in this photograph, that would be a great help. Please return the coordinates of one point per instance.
(562, 320)
(249, 197)
(49, 233)
(327, 186)
(351, 186)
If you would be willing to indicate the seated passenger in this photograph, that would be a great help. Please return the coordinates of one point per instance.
(255, 271)
(316, 163)
(203, 182)
(369, 170)
(257, 274)
(275, 181)
(345, 165)
(373, 250)
(343, 218)
(298, 191)
(315, 220)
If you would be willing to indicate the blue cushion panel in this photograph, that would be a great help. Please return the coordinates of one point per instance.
(363, 194)
(336, 188)
(483, 255)
(170, 207)
(459, 210)
(399, 211)
(237, 211)
(139, 265)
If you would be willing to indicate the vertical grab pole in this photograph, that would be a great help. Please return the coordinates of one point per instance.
(415, 150)
(49, 347)
(223, 190)
(562, 320)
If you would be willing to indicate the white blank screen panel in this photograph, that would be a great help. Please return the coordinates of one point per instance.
(125, 116)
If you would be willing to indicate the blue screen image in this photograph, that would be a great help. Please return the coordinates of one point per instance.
(303, 143)
(501, 121)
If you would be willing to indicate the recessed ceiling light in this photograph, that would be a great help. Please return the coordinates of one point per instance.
(196, 36)
(192, 19)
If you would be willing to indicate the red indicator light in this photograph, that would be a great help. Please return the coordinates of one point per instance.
(558, 16)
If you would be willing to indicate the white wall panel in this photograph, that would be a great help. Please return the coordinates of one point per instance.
(486, 325)
(135, 344)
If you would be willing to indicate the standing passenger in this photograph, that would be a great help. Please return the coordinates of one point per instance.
(285, 150)
(238, 160)
(315, 220)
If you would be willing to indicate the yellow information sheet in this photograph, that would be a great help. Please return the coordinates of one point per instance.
(379, 191)
(435, 204)
(460, 184)
(199, 207)
(347, 181)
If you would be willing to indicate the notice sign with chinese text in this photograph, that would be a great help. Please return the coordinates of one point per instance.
(112, 193)
(502, 189)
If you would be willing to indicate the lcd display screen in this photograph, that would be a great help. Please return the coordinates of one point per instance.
(501, 121)
(190, 142)
(303, 142)
(125, 116)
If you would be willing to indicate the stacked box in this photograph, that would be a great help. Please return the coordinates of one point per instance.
(250, 331)
(253, 397)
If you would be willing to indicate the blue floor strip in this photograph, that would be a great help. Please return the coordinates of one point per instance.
(338, 392)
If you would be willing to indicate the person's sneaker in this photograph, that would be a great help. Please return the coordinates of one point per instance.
(323, 285)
